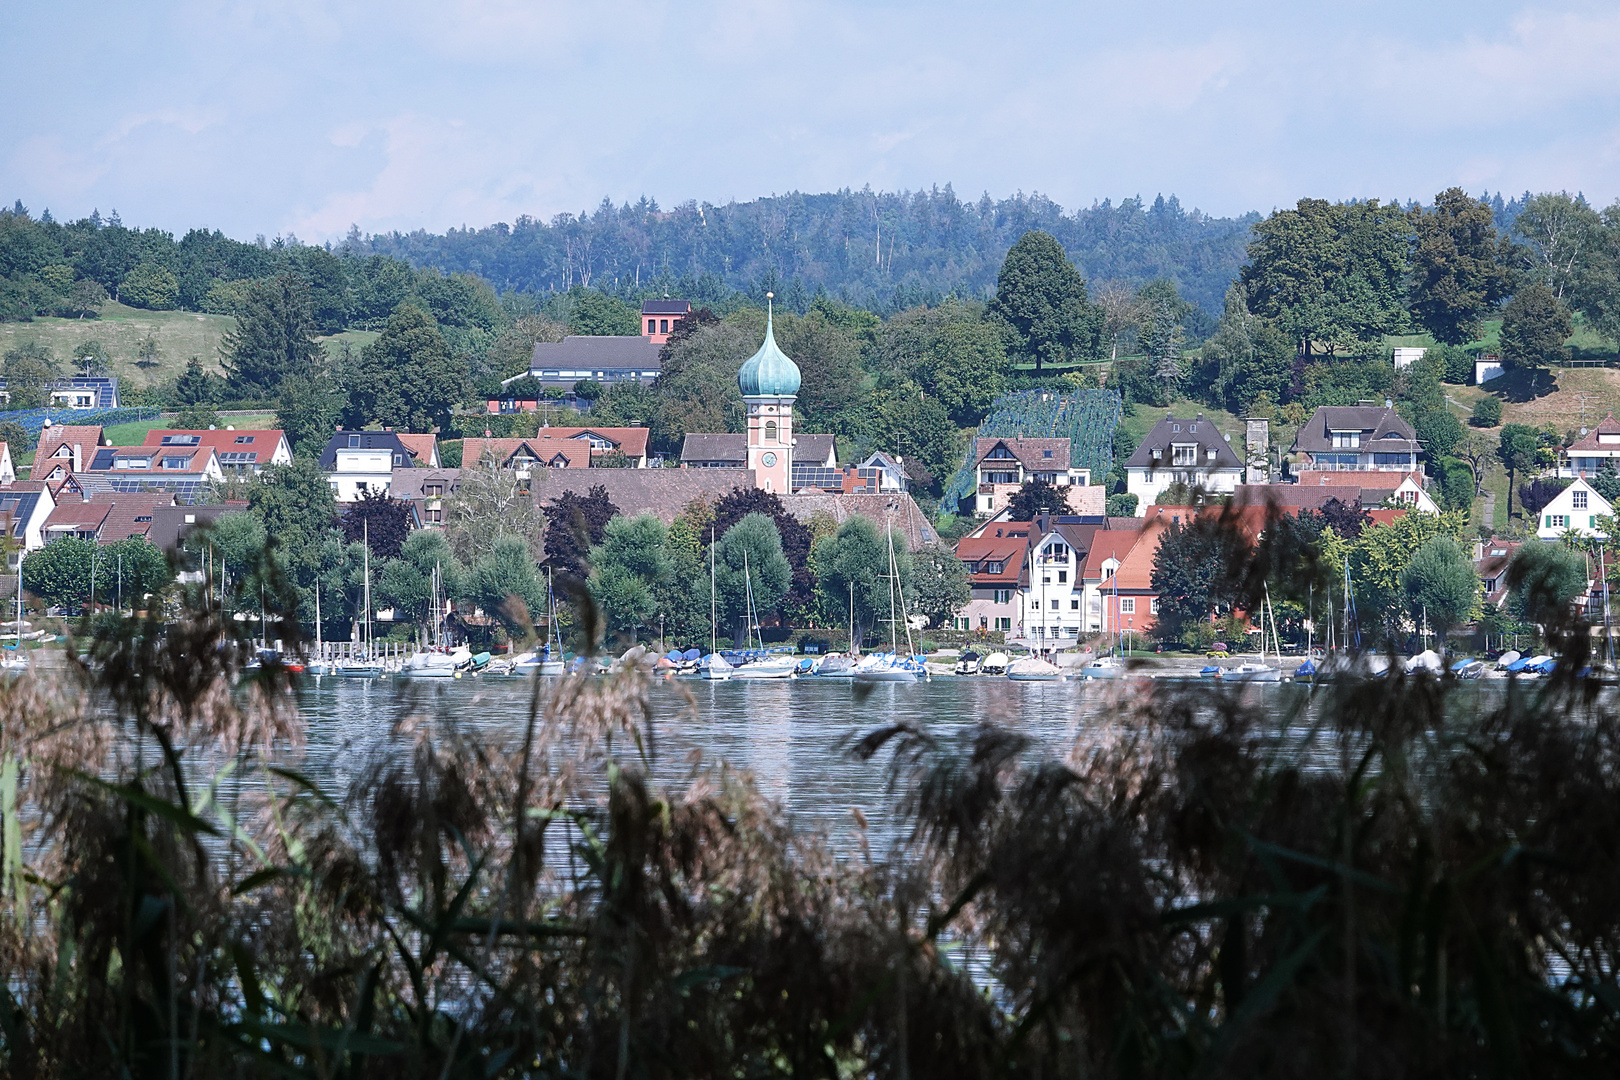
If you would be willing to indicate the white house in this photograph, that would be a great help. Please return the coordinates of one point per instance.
(1182, 451)
(1595, 449)
(1575, 509)
(357, 462)
(1004, 464)
(1406, 356)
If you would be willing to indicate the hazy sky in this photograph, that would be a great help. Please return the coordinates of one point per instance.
(302, 116)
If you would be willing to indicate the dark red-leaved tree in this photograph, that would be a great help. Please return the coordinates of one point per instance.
(379, 520)
(574, 523)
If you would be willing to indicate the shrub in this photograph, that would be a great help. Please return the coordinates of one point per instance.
(1487, 411)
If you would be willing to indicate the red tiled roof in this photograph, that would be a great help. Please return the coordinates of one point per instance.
(224, 441)
(1008, 550)
(1610, 427)
(422, 447)
(86, 436)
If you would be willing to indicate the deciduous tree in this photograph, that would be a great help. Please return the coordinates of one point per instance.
(1457, 272)
(1042, 298)
(748, 560)
(507, 584)
(406, 379)
(381, 522)
(1440, 586)
(1535, 325)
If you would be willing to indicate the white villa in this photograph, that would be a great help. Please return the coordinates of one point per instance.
(1576, 509)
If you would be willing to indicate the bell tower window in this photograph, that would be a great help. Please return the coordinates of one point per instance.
(770, 431)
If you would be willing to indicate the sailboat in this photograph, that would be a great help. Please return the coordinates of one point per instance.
(546, 660)
(319, 665)
(762, 666)
(714, 667)
(364, 666)
(1260, 671)
(891, 666)
(15, 659)
(843, 667)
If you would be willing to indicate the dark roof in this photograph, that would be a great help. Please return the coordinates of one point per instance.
(666, 307)
(1037, 455)
(578, 352)
(702, 446)
(369, 440)
(412, 483)
(812, 447)
(1174, 429)
(172, 524)
(1382, 429)
(661, 492)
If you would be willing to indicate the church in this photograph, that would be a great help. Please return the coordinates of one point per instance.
(768, 455)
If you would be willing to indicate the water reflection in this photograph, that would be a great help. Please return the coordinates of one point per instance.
(793, 736)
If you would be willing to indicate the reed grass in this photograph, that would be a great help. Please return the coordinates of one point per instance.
(1403, 881)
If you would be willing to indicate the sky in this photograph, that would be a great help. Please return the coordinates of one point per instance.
(294, 117)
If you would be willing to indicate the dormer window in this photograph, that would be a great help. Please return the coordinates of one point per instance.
(1176, 428)
(1046, 453)
(244, 438)
(354, 440)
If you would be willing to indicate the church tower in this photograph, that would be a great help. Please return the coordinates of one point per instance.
(769, 382)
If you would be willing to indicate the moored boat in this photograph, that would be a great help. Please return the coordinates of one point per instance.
(1033, 669)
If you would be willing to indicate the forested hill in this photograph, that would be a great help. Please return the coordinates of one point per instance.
(884, 251)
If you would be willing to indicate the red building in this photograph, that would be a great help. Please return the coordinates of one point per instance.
(658, 317)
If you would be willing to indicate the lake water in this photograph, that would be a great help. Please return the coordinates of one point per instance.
(792, 735)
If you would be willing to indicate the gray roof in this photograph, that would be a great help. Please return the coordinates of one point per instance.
(1381, 429)
(812, 447)
(1037, 455)
(661, 492)
(578, 352)
(1174, 429)
(666, 307)
(706, 446)
(411, 483)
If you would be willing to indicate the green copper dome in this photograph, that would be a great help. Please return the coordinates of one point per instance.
(769, 372)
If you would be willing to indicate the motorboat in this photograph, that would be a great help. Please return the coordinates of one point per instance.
(1467, 669)
(1033, 669)
(14, 659)
(358, 667)
(968, 664)
(1427, 660)
(890, 667)
(807, 666)
(767, 667)
(1215, 671)
(994, 664)
(1253, 672)
(715, 668)
(538, 662)
(1104, 667)
(431, 665)
(837, 667)
(1507, 658)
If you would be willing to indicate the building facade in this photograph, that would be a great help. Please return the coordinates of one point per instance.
(1189, 452)
(1357, 438)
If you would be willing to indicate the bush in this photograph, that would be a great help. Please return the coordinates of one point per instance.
(1122, 505)
(1487, 412)
(150, 286)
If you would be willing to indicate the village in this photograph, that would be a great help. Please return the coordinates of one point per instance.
(1046, 570)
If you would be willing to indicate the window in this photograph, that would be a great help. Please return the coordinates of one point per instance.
(1054, 605)
(1184, 454)
(652, 326)
(1035, 605)
(1063, 577)
(1346, 440)
(1127, 605)
(244, 438)
(770, 431)
(174, 462)
(1153, 605)
(1557, 521)
(362, 487)
(435, 516)
(354, 440)
(1003, 624)
(1057, 553)
(435, 491)
(663, 326)
(1580, 499)
(994, 567)
(1176, 428)
(1046, 453)
(984, 622)
(1003, 596)
(1074, 604)
(180, 440)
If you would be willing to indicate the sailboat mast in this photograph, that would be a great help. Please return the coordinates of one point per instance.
(365, 532)
(714, 626)
(894, 637)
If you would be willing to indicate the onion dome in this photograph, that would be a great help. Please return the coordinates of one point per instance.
(769, 372)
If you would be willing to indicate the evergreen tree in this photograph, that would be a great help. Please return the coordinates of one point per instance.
(274, 336)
